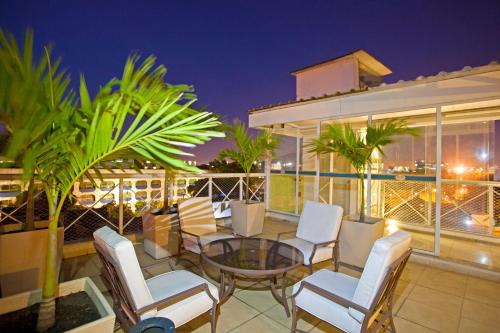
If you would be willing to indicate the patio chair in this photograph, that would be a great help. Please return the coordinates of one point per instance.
(177, 295)
(317, 233)
(198, 226)
(356, 305)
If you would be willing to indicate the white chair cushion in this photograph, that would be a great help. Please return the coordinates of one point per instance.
(171, 283)
(191, 244)
(319, 222)
(384, 252)
(321, 307)
(322, 253)
(122, 251)
(197, 215)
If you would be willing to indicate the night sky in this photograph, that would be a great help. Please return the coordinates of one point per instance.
(238, 54)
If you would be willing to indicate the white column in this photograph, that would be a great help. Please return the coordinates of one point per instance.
(267, 184)
(437, 231)
(120, 207)
(369, 183)
(297, 162)
(317, 178)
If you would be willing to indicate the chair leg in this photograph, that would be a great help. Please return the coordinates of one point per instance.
(310, 269)
(336, 257)
(200, 266)
(294, 316)
(213, 319)
(391, 319)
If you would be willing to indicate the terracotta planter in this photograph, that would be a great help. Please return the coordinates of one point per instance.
(22, 260)
(356, 240)
(105, 324)
(247, 219)
(160, 234)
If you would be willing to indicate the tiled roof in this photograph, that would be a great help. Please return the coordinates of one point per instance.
(442, 75)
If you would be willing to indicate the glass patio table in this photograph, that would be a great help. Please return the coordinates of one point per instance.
(254, 258)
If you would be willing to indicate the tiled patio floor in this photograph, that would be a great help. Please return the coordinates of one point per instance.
(480, 254)
(428, 299)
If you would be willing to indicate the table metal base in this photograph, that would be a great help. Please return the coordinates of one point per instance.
(228, 284)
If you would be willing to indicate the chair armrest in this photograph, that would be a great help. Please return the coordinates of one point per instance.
(225, 228)
(331, 296)
(284, 233)
(198, 240)
(167, 301)
(322, 244)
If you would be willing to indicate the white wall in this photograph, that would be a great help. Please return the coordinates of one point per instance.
(327, 79)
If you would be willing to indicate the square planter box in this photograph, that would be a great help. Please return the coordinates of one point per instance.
(247, 219)
(356, 240)
(22, 260)
(160, 234)
(105, 324)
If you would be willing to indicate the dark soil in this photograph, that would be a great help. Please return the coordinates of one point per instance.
(71, 311)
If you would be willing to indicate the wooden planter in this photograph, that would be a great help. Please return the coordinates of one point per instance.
(356, 240)
(247, 219)
(22, 260)
(160, 234)
(105, 324)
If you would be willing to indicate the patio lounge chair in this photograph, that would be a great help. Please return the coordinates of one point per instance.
(178, 295)
(198, 226)
(317, 233)
(356, 305)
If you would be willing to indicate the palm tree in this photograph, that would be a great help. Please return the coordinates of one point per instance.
(80, 134)
(358, 149)
(247, 150)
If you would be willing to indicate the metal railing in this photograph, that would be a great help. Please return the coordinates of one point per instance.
(119, 199)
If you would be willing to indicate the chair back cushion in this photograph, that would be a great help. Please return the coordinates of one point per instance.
(121, 251)
(384, 252)
(196, 215)
(319, 222)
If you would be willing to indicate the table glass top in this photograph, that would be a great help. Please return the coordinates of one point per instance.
(252, 254)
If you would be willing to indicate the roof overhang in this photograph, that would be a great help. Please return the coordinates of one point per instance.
(477, 86)
(366, 60)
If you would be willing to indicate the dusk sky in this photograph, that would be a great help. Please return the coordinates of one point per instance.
(238, 54)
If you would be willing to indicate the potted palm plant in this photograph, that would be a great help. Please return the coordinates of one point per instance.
(359, 232)
(247, 216)
(75, 135)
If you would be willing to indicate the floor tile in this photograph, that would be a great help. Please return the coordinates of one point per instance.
(445, 281)
(405, 326)
(483, 291)
(261, 323)
(305, 322)
(470, 326)
(261, 300)
(412, 272)
(436, 319)
(233, 313)
(480, 312)
(325, 327)
(448, 303)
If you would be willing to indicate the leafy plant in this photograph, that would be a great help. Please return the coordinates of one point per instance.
(247, 150)
(357, 148)
(61, 138)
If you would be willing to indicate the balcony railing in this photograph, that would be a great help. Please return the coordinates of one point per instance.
(119, 199)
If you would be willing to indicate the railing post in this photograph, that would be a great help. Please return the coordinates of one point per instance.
(120, 206)
(297, 170)
(171, 193)
(241, 188)
(368, 183)
(491, 207)
(437, 225)
(210, 187)
(267, 185)
(317, 178)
